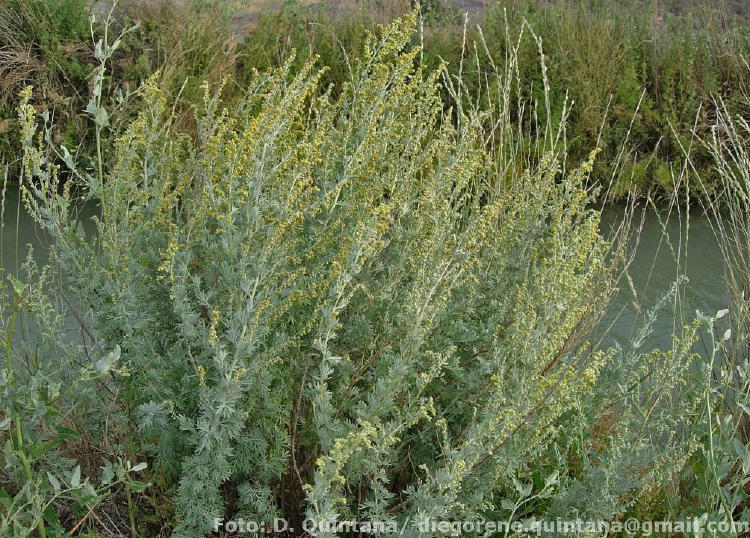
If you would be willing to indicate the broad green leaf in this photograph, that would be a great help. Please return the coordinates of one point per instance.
(66, 434)
(75, 478)
(138, 487)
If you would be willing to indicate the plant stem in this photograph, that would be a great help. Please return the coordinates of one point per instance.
(99, 153)
(131, 512)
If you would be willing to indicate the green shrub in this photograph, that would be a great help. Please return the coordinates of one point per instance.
(342, 307)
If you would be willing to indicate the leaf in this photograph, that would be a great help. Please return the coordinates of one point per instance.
(139, 467)
(66, 434)
(62, 201)
(105, 364)
(107, 474)
(88, 490)
(80, 230)
(507, 504)
(66, 156)
(551, 479)
(739, 447)
(93, 184)
(50, 516)
(721, 313)
(75, 478)
(18, 286)
(723, 469)
(54, 482)
(138, 487)
(101, 118)
(39, 449)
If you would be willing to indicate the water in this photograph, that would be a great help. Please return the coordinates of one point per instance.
(652, 273)
(19, 234)
(667, 249)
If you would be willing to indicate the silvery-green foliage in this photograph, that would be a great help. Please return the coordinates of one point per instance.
(639, 432)
(332, 307)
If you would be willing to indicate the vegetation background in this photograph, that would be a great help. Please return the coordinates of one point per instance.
(640, 71)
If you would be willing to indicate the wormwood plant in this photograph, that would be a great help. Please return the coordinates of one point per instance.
(330, 307)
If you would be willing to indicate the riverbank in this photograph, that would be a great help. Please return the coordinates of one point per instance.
(638, 79)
